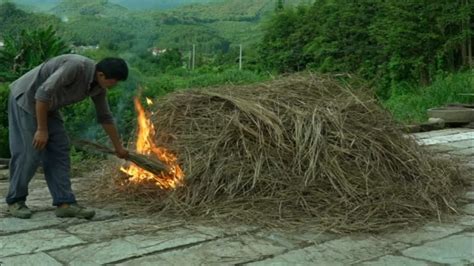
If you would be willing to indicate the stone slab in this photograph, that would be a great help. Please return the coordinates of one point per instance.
(39, 192)
(446, 139)
(296, 239)
(441, 148)
(457, 249)
(109, 229)
(228, 251)
(438, 133)
(464, 152)
(469, 209)
(39, 220)
(37, 259)
(466, 220)
(342, 251)
(390, 260)
(3, 176)
(222, 230)
(469, 195)
(461, 144)
(426, 233)
(36, 241)
(127, 247)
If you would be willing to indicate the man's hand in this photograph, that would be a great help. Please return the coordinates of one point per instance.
(111, 130)
(40, 139)
(121, 153)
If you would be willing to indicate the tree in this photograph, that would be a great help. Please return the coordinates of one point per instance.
(282, 47)
(27, 50)
(279, 5)
(13, 20)
(420, 38)
(170, 59)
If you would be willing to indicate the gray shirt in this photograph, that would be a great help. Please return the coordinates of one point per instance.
(61, 81)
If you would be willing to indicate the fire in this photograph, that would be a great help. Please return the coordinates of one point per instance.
(146, 146)
(149, 101)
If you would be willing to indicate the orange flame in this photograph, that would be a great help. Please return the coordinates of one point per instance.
(146, 146)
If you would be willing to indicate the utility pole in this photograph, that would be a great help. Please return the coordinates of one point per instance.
(240, 58)
(190, 59)
(194, 56)
(469, 38)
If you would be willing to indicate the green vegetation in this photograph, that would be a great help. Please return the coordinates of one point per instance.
(14, 20)
(415, 53)
(409, 103)
(4, 149)
(88, 8)
(45, 5)
(394, 44)
(27, 50)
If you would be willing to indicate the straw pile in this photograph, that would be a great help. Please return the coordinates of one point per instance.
(303, 148)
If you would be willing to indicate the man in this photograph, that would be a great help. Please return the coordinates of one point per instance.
(37, 134)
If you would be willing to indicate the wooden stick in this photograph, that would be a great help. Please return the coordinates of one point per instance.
(145, 162)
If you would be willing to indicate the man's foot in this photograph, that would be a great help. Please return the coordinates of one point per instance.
(19, 210)
(74, 210)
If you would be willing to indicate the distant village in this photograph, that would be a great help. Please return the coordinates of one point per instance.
(155, 51)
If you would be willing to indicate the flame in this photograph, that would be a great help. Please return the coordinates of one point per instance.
(146, 146)
(149, 101)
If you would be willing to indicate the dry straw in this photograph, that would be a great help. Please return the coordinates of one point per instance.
(301, 149)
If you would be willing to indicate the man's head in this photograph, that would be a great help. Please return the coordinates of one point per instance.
(111, 70)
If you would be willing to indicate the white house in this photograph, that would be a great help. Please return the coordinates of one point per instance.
(157, 51)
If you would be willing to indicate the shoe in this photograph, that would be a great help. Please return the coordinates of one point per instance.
(74, 210)
(19, 210)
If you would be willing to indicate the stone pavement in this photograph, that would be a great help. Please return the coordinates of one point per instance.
(113, 238)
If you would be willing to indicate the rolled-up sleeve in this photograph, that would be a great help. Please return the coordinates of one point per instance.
(103, 113)
(63, 76)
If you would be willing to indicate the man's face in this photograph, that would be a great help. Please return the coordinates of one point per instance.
(104, 82)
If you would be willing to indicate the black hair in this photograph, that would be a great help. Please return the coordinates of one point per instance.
(113, 68)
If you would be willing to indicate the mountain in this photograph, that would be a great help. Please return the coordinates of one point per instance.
(45, 5)
(212, 25)
(229, 10)
(236, 21)
(157, 4)
(68, 8)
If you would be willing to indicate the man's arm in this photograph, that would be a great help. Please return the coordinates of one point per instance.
(112, 131)
(41, 135)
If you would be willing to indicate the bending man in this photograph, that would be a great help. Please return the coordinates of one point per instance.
(36, 129)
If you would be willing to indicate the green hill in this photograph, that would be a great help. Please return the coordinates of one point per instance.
(213, 25)
(156, 4)
(103, 8)
(45, 5)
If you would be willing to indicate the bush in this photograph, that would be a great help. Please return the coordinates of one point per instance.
(4, 92)
(29, 49)
(410, 103)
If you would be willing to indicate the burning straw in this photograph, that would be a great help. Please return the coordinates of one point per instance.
(304, 148)
(145, 162)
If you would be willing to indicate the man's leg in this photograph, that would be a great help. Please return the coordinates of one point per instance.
(57, 171)
(24, 157)
(57, 164)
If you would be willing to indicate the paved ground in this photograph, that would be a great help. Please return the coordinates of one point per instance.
(112, 238)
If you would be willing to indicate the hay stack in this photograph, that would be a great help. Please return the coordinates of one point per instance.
(302, 148)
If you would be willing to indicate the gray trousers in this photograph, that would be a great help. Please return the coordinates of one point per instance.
(25, 159)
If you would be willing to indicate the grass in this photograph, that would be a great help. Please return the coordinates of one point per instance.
(408, 103)
(182, 79)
